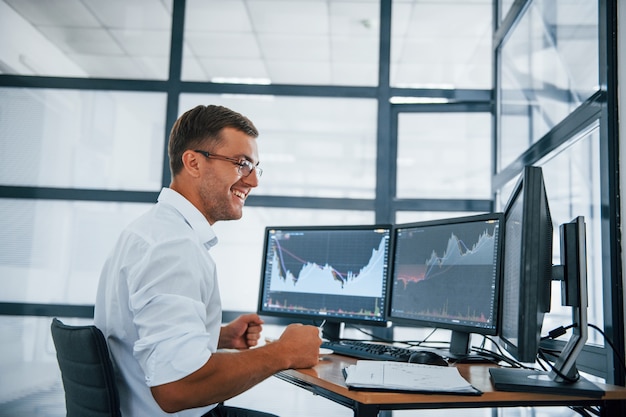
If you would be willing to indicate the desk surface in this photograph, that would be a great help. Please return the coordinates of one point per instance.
(326, 379)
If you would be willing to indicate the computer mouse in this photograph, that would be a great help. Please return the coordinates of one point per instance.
(427, 357)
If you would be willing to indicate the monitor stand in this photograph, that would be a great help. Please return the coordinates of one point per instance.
(460, 349)
(530, 380)
(332, 330)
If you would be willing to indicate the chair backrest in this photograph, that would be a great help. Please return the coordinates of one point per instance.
(86, 370)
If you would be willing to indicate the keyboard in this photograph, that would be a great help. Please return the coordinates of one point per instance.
(365, 350)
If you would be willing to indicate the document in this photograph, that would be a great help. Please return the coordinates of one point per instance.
(403, 376)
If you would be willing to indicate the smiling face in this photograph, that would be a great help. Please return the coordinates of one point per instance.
(215, 186)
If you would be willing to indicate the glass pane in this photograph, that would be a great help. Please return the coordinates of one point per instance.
(549, 67)
(505, 7)
(573, 185)
(572, 181)
(420, 216)
(239, 252)
(444, 155)
(314, 147)
(89, 38)
(81, 139)
(438, 44)
(53, 251)
(31, 380)
(282, 42)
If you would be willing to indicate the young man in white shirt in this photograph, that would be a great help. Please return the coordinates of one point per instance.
(158, 300)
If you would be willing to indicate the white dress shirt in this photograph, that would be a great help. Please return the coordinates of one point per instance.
(158, 302)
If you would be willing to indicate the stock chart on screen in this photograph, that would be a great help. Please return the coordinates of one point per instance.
(446, 272)
(333, 272)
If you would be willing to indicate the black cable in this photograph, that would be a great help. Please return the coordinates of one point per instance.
(566, 378)
(371, 335)
(426, 338)
(619, 356)
(580, 410)
(559, 331)
(411, 343)
(496, 344)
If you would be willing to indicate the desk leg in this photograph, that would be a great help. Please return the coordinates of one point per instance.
(613, 408)
(366, 410)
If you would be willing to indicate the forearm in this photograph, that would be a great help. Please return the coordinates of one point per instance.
(225, 375)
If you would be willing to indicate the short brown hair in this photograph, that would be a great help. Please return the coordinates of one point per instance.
(202, 125)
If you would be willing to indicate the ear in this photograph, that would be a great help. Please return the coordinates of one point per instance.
(191, 163)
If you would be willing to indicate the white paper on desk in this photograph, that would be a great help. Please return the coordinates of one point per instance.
(406, 377)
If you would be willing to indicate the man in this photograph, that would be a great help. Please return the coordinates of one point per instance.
(158, 303)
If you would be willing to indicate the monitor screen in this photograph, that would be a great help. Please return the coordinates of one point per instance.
(527, 266)
(326, 273)
(446, 274)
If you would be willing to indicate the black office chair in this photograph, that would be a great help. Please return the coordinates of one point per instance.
(86, 370)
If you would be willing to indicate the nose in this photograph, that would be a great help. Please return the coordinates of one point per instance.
(251, 180)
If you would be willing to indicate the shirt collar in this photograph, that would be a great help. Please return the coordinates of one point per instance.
(192, 215)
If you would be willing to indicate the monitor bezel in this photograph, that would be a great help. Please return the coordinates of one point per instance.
(326, 319)
(454, 327)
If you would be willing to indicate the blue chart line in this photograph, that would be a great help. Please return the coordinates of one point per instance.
(327, 279)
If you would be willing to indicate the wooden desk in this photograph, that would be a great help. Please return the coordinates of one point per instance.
(326, 379)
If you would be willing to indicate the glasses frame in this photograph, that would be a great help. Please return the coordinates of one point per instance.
(244, 167)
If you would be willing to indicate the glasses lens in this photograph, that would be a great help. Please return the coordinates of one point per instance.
(246, 168)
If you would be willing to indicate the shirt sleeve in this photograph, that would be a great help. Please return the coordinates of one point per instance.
(170, 289)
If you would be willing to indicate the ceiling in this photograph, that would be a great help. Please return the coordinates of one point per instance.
(441, 43)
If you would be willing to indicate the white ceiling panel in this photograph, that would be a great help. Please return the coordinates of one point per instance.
(192, 69)
(217, 16)
(226, 68)
(354, 50)
(143, 42)
(54, 12)
(354, 73)
(296, 47)
(289, 17)
(132, 14)
(290, 72)
(116, 66)
(354, 18)
(434, 19)
(82, 40)
(226, 45)
(155, 67)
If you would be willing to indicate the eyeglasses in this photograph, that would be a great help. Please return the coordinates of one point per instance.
(244, 166)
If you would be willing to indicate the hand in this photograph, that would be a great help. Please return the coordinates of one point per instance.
(242, 333)
(301, 345)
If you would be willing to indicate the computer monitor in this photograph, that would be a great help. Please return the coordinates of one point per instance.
(527, 266)
(446, 274)
(330, 274)
(526, 287)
